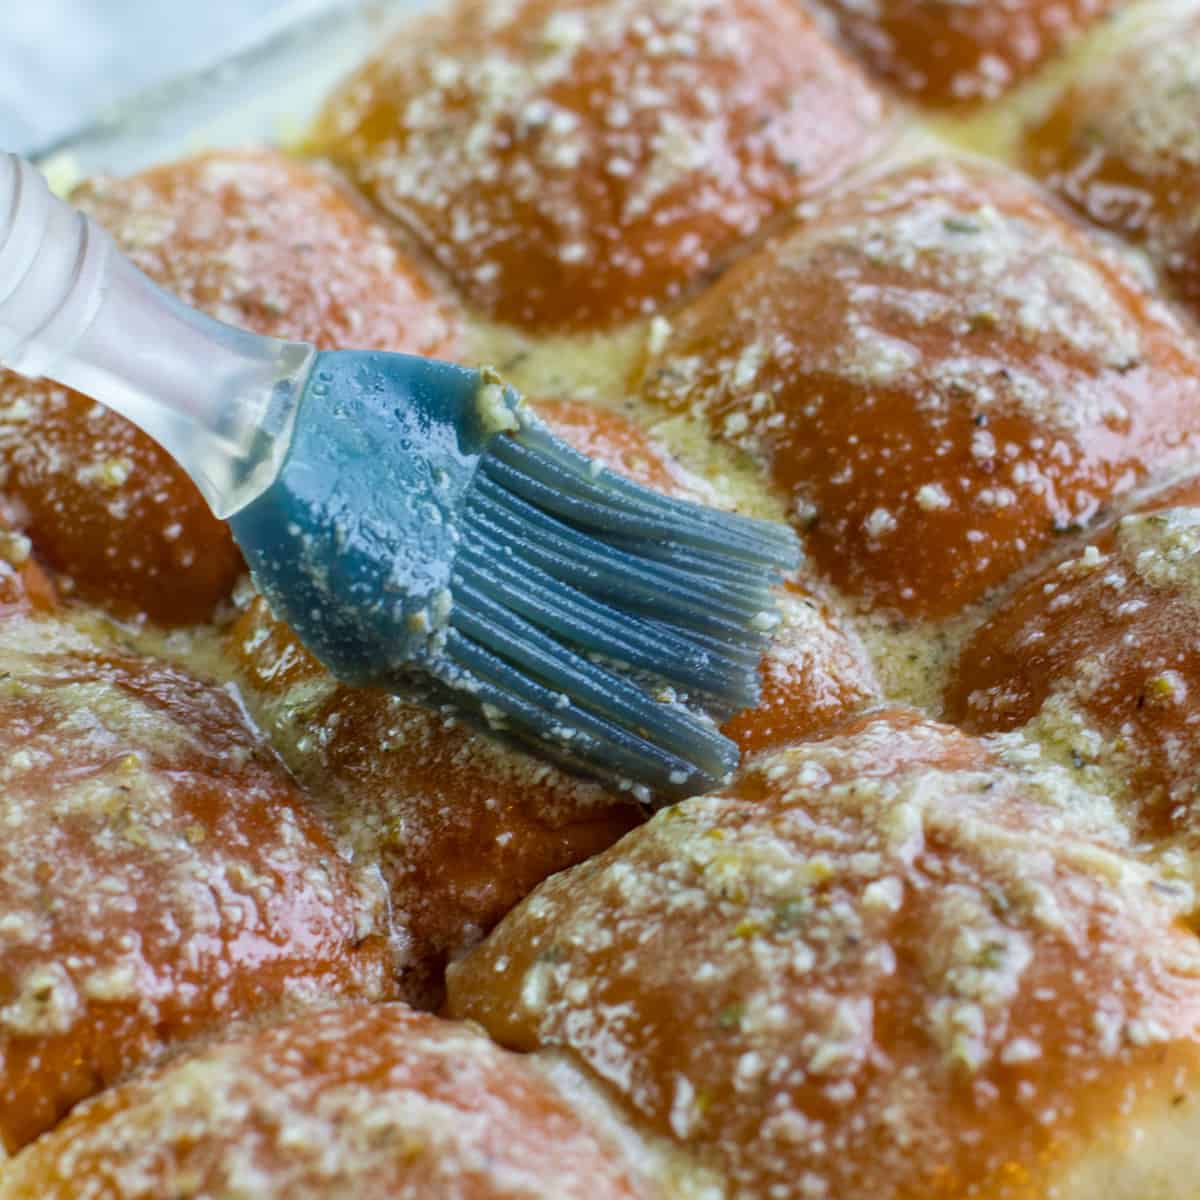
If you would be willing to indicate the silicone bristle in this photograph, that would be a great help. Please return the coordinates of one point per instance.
(517, 704)
(598, 618)
(595, 501)
(585, 560)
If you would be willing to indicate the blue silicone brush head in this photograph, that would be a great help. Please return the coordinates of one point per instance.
(426, 529)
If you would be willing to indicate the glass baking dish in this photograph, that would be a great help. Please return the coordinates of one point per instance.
(265, 94)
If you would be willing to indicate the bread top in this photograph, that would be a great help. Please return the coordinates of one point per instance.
(374, 1100)
(892, 961)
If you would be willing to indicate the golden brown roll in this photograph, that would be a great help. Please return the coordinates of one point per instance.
(573, 163)
(953, 52)
(257, 240)
(1122, 145)
(940, 372)
(1099, 652)
(160, 873)
(893, 963)
(374, 1102)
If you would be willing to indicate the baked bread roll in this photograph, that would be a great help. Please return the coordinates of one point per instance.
(1123, 147)
(161, 875)
(1097, 659)
(374, 1101)
(940, 371)
(895, 961)
(461, 826)
(951, 52)
(570, 165)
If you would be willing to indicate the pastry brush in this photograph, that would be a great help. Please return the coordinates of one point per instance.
(413, 521)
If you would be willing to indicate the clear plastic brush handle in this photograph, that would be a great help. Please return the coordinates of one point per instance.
(73, 309)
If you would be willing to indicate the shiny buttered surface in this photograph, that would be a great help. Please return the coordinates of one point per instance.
(919, 279)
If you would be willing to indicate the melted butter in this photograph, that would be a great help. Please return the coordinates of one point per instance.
(200, 649)
(913, 661)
